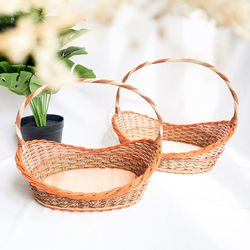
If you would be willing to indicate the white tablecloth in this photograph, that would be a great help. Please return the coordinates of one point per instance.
(193, 212)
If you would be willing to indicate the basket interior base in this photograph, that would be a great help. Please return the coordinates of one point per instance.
(177, 147)
(90, 179)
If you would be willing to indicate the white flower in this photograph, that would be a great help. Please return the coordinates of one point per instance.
(57, 6)
(49, 68)
(17, 43)
(40, 39)
(231, 13)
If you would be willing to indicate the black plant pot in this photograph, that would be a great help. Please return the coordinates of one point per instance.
(51, 132)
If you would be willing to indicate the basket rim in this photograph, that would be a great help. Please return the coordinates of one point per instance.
(192, 153)
(137, 182)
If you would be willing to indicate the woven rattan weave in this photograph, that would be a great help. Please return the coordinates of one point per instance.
(210, 136)
(39, 159)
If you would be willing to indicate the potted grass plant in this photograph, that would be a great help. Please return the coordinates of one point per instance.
(21, 77)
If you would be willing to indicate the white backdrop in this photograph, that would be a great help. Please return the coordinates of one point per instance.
(206, 211)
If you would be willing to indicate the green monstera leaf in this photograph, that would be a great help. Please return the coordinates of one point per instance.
(16, 82)
(72, 51)
(5, 67)
(69, 35)
(22, 67)
(8, 79)
(35, 84)
(84, 72)
(81, 72)
(69, 63)
(15, 77)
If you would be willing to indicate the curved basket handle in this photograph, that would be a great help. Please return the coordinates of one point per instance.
(101, 81)
(236, 103)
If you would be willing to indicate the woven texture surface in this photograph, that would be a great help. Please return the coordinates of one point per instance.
(210, 136)
(39, 159)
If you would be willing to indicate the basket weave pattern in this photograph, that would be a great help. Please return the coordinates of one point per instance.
(79, 205)
(39, 159)
(210, 136)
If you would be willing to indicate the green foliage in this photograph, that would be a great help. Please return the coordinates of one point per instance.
(21, 78)
(69, 35)
(35, 84)
(39, 107)
(83, 72)
(5, 67)
(72, 51)
(17, 83)
(80, 70)
(7, 22)
(15, 77)
(10, 21)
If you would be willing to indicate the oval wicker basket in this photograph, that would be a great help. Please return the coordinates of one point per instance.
(39, 159)
(210, 136)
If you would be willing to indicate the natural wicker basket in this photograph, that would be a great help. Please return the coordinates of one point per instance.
(39, 159)
(210, 136)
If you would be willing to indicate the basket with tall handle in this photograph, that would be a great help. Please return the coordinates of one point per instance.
(211, 137)
(40, 159)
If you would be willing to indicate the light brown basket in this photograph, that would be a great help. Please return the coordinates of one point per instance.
(210, 136)
(39, 159)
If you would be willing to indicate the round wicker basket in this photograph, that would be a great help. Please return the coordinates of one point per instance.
(39, 159)
(211, 137)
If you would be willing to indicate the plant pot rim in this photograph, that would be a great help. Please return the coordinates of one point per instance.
(51, 132)
(52, 117)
